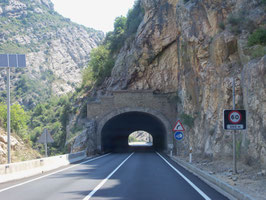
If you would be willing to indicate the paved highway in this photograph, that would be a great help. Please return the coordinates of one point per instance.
(129, 176)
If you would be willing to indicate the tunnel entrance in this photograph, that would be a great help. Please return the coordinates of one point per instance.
(116, 130)
(140, 138)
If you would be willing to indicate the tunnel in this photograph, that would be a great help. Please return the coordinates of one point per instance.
(115, 132)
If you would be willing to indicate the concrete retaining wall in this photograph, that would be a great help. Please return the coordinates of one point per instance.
(25, 169)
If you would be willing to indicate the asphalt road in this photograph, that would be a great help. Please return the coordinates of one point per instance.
(134, 176)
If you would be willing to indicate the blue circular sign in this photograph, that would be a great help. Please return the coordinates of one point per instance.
(179, 135)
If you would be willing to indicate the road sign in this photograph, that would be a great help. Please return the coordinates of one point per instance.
(234, 119)
(45, 137)
(12, 60)
(179, 135)
(178, 126)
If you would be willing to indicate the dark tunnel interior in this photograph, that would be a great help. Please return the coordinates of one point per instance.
(116, 131)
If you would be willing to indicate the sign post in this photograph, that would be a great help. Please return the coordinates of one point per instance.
(8, 116)
(234, 120)
(234, 133)
(44, 139)
(7, 61)
(178, 129)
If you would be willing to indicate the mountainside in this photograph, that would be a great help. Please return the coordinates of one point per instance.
(56, 49)
(194, 48)
(20, 151)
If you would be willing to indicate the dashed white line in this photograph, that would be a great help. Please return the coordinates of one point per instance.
(186, 179)
(52, 173)
(106, 179)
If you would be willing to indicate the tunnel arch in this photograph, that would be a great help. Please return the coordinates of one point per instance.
(160, 128)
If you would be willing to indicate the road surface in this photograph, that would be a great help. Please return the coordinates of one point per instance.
(129, 176)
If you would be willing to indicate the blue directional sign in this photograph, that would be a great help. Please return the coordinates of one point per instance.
(179, 135)
(12, 60)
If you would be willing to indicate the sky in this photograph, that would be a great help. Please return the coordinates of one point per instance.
(97, 14)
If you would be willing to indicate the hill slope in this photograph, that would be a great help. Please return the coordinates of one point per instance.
(56, 49)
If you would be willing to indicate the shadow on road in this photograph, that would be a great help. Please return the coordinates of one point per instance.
(130, 149)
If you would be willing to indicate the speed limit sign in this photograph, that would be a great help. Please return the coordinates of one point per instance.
(234, 119)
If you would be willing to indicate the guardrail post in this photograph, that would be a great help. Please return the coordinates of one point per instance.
(190, 155)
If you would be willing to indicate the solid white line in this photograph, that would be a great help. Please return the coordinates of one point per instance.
(106, 179)
(52, 173)
(186, 179)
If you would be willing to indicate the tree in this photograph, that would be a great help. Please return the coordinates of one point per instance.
(100, 65)
(19, 118)
(115, 39)
(134, 18)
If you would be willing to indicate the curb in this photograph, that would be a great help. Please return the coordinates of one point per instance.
(221, 186)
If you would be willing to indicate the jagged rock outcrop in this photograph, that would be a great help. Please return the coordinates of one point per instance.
(86, 139)
(19, 150)
(56, 49)
(193, 49)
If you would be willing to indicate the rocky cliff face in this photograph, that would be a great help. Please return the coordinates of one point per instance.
(20, 151)
(194, 49)
(56, 49)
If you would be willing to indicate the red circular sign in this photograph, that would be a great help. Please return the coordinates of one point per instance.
(234, 117)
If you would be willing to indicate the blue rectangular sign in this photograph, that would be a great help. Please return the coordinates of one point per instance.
(21, 60)
(3, 60)
(12, 60)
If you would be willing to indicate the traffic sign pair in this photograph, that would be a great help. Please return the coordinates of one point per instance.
(178, 128)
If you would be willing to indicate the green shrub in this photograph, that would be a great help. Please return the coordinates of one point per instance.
(134, 18)
(258, 52)
(187, 120)
(221, 25)
(100, 66)
(19, 118)
(257, 37)
(117, 38)
(132, 139)
(239, 21)
(124, 28)
(234, 20)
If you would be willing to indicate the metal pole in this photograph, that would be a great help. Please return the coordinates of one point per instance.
(8, 113)
(45, 144)
(190, 155)
(234, 133)
(8, 117)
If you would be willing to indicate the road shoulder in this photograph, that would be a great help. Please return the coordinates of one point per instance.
(221, 186)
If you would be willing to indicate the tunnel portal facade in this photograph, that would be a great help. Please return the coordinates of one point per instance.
(124, 112)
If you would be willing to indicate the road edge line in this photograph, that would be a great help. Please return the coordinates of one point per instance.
(106, 179)
(224, 188)
(35, 179)
(186, 179)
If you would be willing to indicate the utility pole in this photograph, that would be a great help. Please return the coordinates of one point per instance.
(7, 61)
(8, 114)
(234, 132)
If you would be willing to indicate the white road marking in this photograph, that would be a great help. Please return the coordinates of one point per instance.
(106, 179)
(186, 179)
(52, 173)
